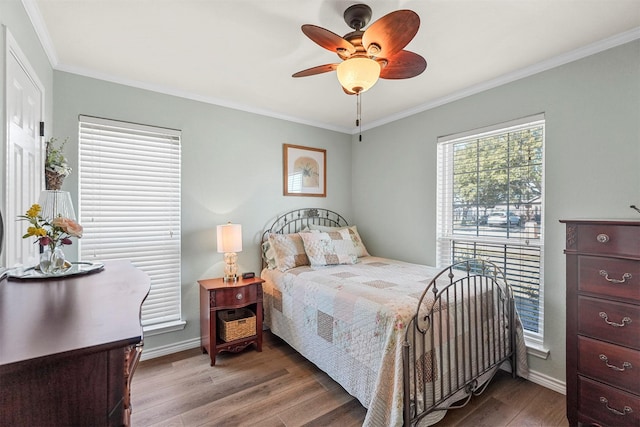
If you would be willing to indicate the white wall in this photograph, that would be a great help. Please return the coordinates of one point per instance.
(592, 166)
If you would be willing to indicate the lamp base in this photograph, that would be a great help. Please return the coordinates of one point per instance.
(233, 278)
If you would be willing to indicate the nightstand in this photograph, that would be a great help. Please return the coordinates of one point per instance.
(216, 295)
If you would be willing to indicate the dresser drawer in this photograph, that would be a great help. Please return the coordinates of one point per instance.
(609, 363)
(608, 239)
(609, 276)
(610, 321)
(608, 405)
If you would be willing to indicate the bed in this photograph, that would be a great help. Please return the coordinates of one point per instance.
(408, 341)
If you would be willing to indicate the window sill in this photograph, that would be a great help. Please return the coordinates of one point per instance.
(538, 351)
(164, 328)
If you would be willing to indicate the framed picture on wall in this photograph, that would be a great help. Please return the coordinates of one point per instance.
(305, 171)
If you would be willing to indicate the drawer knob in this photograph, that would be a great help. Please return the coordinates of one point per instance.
(625, 411)
(625, 320)
(602, 238)
(239, 296)
(625, 365)
(625, 277)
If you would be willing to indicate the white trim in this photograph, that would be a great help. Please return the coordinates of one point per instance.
(36, 19)
(165, 350)
(547, 381)
(537, 351)
(163, 328)
(565, 58)
(33, 11)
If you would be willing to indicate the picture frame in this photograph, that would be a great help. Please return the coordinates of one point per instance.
(305, 171)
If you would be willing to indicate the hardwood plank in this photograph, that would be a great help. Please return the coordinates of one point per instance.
(279, 388)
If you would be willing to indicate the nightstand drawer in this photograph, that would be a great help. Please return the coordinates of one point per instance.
(608, 239)
(610, 277)
(235, 296)
(608, 405)
(609, 363)
(610, 321)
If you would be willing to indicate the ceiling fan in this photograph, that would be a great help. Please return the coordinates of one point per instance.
(377, 52)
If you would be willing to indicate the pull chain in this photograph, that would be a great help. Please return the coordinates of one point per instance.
(359, 115)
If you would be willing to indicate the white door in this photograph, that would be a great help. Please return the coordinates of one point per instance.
(25, 154)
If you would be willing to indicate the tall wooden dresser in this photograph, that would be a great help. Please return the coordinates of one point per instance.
(603, 322)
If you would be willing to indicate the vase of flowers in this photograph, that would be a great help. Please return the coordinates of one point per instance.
(56, 168)
(52, 235)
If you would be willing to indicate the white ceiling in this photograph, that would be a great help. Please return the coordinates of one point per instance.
(242, 53)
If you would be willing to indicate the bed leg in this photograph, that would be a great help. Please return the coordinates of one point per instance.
(406, 398)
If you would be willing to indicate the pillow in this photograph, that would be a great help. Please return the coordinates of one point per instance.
(268, 255)
(288, 251)
(332, 248)
(353, 231)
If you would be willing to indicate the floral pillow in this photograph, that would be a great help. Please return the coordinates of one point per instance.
(361, 250)
(332, 248)
(288, 251)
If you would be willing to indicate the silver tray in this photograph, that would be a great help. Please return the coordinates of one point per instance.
(72, 269)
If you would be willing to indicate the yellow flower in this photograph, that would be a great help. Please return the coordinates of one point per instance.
(36, 231)
(33, 211)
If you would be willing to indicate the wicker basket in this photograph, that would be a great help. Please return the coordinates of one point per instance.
(53, 179)
(236, 324)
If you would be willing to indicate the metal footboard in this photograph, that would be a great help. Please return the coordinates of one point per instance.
(463, 330)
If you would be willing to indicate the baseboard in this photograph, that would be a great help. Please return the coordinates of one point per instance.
(169, 349)
(534, 376)
(548, 382)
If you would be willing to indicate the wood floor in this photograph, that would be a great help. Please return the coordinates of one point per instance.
(278, 387)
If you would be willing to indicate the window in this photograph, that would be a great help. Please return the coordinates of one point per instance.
(490, 206)
(129, 206)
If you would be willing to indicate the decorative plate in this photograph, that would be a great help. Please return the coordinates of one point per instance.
(71, 269)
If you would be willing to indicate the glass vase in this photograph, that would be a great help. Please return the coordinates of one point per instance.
(52, 260)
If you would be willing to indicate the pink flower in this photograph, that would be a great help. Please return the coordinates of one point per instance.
(68, 225)
(44, 241)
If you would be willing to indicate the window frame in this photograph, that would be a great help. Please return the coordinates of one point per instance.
(129, 202)
(446, 233)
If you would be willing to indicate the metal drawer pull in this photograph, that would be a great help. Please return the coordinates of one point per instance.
(602, 238)
(625, 277)
(625, 411)
(625, 365)
(625, 320)
(238, 296)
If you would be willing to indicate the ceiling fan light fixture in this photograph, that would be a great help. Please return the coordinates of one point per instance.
(358, 75)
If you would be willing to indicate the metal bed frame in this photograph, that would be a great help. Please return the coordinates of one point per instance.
(488, 296)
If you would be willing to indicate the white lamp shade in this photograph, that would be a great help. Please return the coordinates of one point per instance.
(358, 74)
(56, 203)
(229, 238)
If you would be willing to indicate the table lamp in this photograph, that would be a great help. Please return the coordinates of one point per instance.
(230, 242)
(56, 203)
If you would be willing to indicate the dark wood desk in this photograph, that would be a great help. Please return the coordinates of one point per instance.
(68, 348)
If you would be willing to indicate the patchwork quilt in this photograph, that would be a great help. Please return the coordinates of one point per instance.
(350, 321)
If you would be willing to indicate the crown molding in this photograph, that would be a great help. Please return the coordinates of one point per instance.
(565, 58)
(37, 21)
(33, 11)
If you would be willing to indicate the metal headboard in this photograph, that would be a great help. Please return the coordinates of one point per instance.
(297, 220)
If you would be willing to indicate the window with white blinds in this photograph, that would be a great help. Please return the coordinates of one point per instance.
(490, 206)
(129, 206)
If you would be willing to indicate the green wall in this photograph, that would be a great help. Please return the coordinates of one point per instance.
(592, 166)
(232, 164)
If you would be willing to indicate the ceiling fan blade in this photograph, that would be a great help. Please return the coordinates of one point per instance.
(328, 40)
(391, 33)
(403, 65)
(316, 70)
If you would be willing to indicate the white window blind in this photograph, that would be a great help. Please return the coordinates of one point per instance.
(490, 206)
(129, 206)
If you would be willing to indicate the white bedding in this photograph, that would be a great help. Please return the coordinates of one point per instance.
(350, 321)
